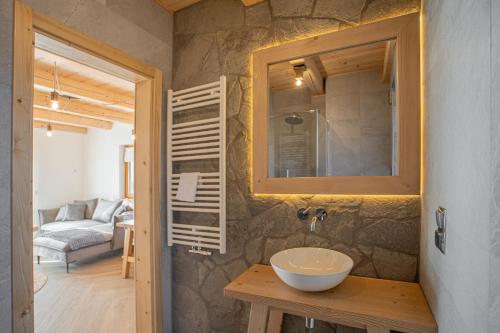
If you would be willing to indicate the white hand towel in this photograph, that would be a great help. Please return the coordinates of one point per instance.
(188, 184)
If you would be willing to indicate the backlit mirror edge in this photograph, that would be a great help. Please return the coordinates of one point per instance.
(405, 29)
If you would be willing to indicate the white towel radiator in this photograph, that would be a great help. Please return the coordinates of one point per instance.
(198, 140)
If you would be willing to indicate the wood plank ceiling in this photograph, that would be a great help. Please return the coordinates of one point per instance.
(87, 97)
(319, 67)
(175, 5)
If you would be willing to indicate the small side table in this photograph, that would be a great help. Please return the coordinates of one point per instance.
(128, 256)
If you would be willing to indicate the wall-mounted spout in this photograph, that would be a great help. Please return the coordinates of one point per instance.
(309, 323)
(320, 216)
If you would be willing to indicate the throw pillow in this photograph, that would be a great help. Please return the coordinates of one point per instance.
(47, 215)
(104, 210)
(75, 212)
(61, 214)
(91, 204)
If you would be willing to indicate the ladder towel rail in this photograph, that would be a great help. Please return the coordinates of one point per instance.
(201, 139)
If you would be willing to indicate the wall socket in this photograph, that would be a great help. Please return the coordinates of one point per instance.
(440, 233)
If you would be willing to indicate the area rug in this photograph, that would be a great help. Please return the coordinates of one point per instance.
(39, 281)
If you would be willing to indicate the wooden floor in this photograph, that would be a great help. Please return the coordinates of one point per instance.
(91, 298)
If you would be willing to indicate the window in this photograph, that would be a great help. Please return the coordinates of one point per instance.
(128, 167)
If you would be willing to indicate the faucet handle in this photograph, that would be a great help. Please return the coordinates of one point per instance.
(303, 213)
(321, 214)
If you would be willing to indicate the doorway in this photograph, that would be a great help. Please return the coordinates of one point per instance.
(148, 105)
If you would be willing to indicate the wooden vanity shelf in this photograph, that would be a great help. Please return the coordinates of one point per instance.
(373, 304)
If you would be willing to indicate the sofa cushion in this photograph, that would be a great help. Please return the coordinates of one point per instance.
(75, 212)
(104, 210)
(90, 207)
(71, 240)
(57, 226)
(61, 214)
(71, 212)
(47, 215)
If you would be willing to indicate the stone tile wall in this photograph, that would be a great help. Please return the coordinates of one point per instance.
(360, 125)
(381, 234)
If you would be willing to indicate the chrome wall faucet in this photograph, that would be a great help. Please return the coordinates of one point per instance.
(319, 216)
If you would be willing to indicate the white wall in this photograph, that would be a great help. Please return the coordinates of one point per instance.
(457, 174)
(72, 166)
(58, 168)
(494, 291)
(103, 161)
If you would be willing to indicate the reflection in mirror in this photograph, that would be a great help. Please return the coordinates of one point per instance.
(334, 113)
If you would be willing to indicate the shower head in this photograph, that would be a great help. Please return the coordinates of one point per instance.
(294, 119)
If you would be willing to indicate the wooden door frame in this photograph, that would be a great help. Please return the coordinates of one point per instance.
(147, 162)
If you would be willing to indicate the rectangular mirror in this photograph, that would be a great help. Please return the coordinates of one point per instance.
(341, 112)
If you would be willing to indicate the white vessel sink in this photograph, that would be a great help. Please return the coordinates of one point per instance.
(311, 268)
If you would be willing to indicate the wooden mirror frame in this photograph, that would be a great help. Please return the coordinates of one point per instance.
(405, 29)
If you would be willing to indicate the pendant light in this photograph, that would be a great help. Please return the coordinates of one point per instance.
(299, 74)
(54, 100)
(49, 131)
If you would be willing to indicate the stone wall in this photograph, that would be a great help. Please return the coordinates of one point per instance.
(381, 234)
(6, 30)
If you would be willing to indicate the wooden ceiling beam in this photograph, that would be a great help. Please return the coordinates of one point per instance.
(388, 60)
(313, 78)
(69, 119)
(42, 99)
(175, 5)
(59, 127)
(81, 86)
(251, 2)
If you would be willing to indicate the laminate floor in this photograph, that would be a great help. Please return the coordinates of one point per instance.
(91, 298)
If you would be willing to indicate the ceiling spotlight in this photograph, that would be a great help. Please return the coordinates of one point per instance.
(54, 100)
(49, 131)
(299, 74)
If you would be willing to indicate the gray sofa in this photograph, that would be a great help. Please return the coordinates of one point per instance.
(72, 240)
